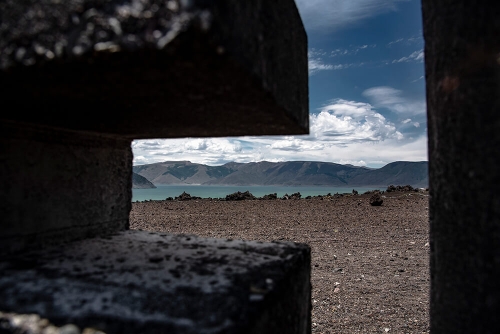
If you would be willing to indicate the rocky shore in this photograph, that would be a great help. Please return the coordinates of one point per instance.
(370, 262)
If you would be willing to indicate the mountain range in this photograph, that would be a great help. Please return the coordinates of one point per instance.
(140, 182)
(288, 173)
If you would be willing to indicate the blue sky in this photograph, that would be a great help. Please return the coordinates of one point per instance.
(366, 93)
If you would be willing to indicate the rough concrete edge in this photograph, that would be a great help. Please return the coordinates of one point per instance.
(37, 241)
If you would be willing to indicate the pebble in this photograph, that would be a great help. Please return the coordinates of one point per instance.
(69, 329)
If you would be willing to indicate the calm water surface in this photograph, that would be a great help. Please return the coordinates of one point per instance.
(164, 191)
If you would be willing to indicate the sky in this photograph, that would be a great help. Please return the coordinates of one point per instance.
(366, 94)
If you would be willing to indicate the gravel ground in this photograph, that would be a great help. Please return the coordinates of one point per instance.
(370, 264)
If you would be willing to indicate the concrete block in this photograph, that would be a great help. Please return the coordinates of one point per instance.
(145, 282)
(57, 186)
(462, 64)
(85, 78)
(156, 69)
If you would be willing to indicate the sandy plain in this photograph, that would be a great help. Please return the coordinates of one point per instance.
(369, 264)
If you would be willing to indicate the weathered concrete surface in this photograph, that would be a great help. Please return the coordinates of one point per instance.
(85, 78)
(154, 68)
(143, 282)
(462, 61)
(57, 186)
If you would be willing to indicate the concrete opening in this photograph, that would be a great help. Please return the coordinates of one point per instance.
(89, 77)
(66, 171)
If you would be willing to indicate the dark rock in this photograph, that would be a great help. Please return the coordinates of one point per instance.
(238, 196)
(407, 188)
(155, 259)
(296, 195)
(390, 188)
(354, 192)
(376, 200)
(186, 197)
(393, 188)
(270, 196)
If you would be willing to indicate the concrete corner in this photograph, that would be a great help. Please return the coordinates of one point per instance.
(144, 282)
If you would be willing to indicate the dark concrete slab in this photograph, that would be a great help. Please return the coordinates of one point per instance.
(462, 63)
(57, 186)
(154, 68)
(81, 79)
(143, 282)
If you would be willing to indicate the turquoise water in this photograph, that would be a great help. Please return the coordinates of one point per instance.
(164, 191)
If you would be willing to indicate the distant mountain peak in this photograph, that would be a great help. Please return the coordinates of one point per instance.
(140, 182)
(291, 173)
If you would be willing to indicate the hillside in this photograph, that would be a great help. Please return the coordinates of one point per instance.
(140, 182)
(290, 173)
(396, 173)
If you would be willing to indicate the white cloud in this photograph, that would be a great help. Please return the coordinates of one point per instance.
(313, 53)
(417, 56)
(274, 149)
(210, 150)
(288, 144)
(416, 39)
(393, 99)
(342, 132)
(421, 77)
(196, 144)
(336, 14)
(397, 41)
(408, 121)
(352, 50)
(351, 162)
(316, 64)
(343, 122)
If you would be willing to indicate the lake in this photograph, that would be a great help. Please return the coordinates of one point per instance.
(164, 191)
